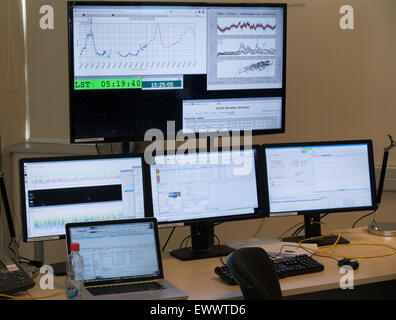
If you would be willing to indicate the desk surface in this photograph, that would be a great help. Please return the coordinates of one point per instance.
(198, 280)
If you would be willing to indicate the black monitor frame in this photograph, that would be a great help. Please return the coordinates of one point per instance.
(90, 96)
(22, 190)
(312, 218)
(202, 229)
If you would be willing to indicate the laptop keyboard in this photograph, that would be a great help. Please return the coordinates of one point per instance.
(125, 288)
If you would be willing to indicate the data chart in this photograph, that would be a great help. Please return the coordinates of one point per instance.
(165, 47)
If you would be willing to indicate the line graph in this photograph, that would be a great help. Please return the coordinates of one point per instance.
(256, 67)
(42, 223)
(77, 174)
(190, 49)
(235, 26)
(245, 68)
(47, 223)
(63, 180)
(245, 47)
(136, 48)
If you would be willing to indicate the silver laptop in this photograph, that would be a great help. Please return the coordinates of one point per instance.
(122, 260)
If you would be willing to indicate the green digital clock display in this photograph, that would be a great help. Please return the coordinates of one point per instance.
(94, 84)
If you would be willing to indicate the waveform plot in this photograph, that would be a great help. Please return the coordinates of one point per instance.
(146, 48)
(256, 67)
(245, 47)
(245, 68)
(55, 224)
(65, 180)
(154, 33)
(232, 26)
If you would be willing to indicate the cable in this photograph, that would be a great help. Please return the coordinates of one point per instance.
(366, 215)
(10, 248)
(34, 263)
(31, 298)
(300, 226)
(186, 238)
(281, 248)
(323, 236)
(219, 246)
(15, 242)
(297, 246)
(297, 231)
(327, 248)
(366, 244)
(322, 256)
(292, 227)
(259, 227)
(167, 240)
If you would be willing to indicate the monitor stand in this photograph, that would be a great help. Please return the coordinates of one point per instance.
(58, 268)
(312, 230)
(202, 244)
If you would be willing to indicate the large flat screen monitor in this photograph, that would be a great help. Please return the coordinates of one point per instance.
(316, 178)
(60, 190)
(204, 188)
(206, 67)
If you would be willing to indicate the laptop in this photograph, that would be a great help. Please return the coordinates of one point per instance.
(122, 260)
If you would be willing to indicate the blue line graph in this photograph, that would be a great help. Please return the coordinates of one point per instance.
(157, 35)
(139, 48)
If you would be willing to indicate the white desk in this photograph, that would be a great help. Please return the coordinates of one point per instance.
(198, 280)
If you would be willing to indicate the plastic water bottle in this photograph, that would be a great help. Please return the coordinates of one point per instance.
(75, 269)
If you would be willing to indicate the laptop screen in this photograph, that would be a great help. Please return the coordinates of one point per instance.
(117, 252)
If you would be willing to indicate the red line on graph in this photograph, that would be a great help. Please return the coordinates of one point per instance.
(246, 25)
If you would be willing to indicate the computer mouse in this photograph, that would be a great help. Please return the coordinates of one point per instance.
(349, 262)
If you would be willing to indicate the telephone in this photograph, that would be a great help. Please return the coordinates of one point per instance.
(12, 277)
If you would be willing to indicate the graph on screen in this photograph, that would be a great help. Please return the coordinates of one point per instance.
(245, 68)
(245, 47)
(65, 179)
(235, 26)
(139, 48)
(44, 224)
(79, 190)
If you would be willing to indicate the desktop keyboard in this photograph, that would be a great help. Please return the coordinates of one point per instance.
(284, 267)
(124, 288)
(297, 265)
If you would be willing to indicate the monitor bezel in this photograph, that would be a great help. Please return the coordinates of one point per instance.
(271, 92)
(257, 214)
(266, 203)
(22, 191)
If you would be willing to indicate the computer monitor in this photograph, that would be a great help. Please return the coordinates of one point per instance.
(202, 189)
(315, 178)
(60, 190)
(206, 67)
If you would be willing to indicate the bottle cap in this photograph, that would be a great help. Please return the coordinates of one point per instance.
(74, 247)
